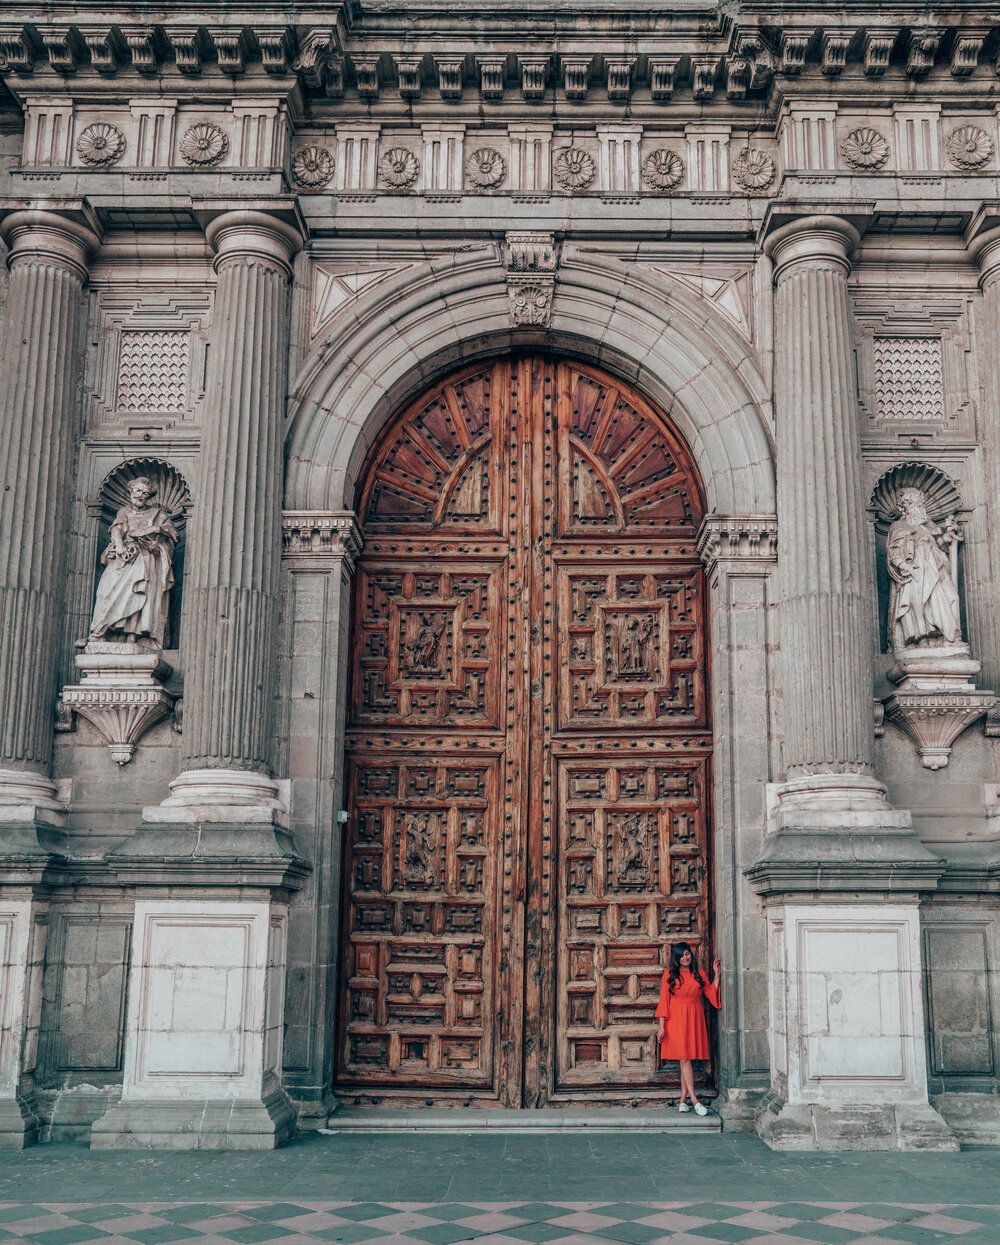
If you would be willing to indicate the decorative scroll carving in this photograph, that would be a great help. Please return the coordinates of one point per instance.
(530, 259)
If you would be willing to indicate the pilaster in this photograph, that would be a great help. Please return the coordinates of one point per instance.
(48, 258)
(319, 554)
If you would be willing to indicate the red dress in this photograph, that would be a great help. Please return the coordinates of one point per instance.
(685, 1035)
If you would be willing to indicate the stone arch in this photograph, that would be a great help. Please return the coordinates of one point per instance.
(407, 332)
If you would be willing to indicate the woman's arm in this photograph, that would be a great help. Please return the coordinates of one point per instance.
(711, 988)
(663, 1007)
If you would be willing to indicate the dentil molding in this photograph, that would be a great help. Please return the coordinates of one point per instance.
(312, 534)
(751, 540)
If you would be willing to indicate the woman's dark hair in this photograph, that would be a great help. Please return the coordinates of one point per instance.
(676, 951)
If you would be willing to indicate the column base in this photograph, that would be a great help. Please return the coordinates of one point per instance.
(854, 1126)
(974, 1118)
(19, 1123)
(220, 795)
(213, 1124)
(29, 799)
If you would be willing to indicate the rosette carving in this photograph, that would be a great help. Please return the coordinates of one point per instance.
(865, 148)
(753, 169)
(398, 168)
(662, 169)
(969, 147)
(574, 169)
(312, 166)
(486, 168)
(101, 143)
(204, 144)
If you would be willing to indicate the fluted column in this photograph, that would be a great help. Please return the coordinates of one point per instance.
(230, 597)
(827, 637)
(39, 386)
(984, 625)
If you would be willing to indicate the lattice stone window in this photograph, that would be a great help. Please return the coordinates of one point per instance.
(153, 370)
(909, 378)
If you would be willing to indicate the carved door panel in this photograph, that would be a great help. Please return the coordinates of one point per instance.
(528, 741)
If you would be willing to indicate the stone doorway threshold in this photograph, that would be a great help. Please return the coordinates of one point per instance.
(544, 1120)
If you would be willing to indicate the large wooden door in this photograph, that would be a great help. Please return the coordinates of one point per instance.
(528, 742)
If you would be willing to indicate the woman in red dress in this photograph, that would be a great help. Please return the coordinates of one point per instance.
(682, 1032)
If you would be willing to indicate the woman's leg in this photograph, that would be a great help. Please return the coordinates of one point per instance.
(687, 1080)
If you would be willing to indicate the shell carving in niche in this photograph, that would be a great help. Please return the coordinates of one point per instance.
(486, 168)
(940, 493)
(204, 144)
(662, 169)
(312, 166)
(101, 143)
(865, 148)
(753, 169)
(398, 168)
(969, 147)
(574, 169)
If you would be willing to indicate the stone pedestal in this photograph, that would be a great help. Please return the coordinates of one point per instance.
(120, 692)
(840, 870)
(22, 955)
(204, 1035)
(935, 698)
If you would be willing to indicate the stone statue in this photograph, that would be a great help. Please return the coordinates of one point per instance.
(923, 603)
(133, 594)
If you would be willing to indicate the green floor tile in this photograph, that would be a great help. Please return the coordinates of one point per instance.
(106, 1210)
(274, 1211)
(442, 1233)
(191, 1212)
(349, 1233)
(162, 1236)
(69, 1235)
(725, 1232)
(636, 1233)
(23, 1210)
(825, 1233)
(914, 1235)
(538, 1232)
(802, 1210)
(256, 1233)
(367, 1210)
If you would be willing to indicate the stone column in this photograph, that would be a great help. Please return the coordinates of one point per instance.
(840, 870)
(231, 594)
(39, 393)
(984, 246)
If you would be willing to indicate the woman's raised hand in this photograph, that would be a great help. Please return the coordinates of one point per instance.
(716, 967)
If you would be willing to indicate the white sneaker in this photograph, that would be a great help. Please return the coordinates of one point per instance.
(683, 1106)
(700, 1109)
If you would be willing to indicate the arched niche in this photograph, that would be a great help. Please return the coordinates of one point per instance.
(173, 494)
(943, 501)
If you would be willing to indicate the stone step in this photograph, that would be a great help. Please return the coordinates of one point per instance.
(545, 1120)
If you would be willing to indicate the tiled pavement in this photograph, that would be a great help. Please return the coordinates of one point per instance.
(439, 1190)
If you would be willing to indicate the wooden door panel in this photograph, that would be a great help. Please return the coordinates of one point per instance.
(528, 741)
(633, 847)
(421, 941)
(630, 646)
(425, 643)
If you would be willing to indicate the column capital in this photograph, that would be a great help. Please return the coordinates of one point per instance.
(811, 239)
(748, 542)
(248, 234)
(982, 240)
(318, 535)
(54, 237)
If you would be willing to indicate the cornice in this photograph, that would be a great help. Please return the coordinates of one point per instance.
(360, 51)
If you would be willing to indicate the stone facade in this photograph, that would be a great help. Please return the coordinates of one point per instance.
(239, 246)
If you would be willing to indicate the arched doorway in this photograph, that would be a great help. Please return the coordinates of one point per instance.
(528, 741)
